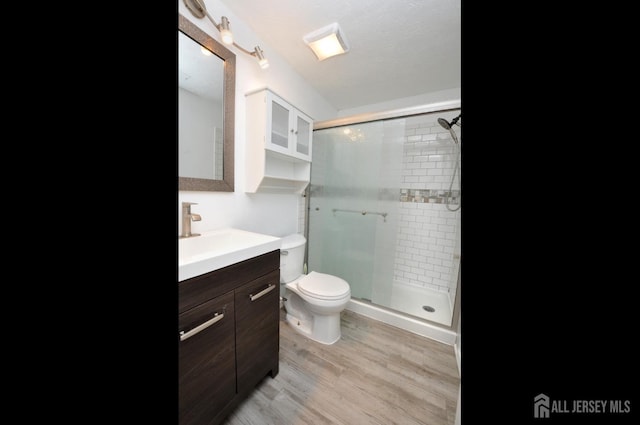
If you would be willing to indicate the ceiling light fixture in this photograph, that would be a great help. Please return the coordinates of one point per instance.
(199, 10)
(327, 41)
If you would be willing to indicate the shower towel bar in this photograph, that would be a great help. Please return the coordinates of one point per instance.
(384, 215)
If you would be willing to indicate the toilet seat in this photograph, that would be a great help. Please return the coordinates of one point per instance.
(323, 286)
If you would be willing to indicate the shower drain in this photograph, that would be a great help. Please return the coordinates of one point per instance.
(428, 308)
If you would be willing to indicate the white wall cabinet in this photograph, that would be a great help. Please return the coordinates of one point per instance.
(279, 142)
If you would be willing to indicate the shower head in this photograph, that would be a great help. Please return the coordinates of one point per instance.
(444, 123)
(447, 125)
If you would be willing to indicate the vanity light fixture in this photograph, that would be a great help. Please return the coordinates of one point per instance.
(327, 41)
(262, 61)
(225, 32)
(199, 10)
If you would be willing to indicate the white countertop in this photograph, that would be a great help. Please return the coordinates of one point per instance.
(216, 249)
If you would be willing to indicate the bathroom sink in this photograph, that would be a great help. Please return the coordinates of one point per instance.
(220, 248)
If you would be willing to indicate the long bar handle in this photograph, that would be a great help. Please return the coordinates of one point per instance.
(269, 288)
(184, 335)
(384, 215)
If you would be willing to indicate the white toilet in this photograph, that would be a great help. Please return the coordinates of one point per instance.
(314, 301)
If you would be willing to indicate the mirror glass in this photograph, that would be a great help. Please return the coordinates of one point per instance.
(200, 114)
(206, 104)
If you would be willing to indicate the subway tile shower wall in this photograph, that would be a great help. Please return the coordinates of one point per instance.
(429, 159)
(427, 250)
(426, 246)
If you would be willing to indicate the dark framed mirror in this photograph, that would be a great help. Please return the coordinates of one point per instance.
(206, 111)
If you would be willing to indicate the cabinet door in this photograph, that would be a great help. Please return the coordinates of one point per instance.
(303, 129)
(279, 130)
(257, 330)
(206, 365)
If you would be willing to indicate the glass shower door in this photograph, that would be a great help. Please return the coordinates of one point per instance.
(384, 212)
(352, 207)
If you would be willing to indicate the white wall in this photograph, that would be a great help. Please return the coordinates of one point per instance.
(272, 214)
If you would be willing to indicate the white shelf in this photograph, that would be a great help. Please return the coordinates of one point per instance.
(280, 185)
(279, 173)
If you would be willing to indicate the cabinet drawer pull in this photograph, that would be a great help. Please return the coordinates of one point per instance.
(184, 335)
(263, 292)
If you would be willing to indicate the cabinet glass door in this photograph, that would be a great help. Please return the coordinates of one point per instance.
(279, 125)
(303, 136)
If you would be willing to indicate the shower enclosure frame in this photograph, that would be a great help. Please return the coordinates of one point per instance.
(421, 326)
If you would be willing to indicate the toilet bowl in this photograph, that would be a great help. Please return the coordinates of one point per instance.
(313, 302)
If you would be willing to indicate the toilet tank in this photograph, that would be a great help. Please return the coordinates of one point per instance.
(291, 257)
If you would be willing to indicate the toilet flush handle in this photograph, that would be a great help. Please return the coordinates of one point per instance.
(284, 252)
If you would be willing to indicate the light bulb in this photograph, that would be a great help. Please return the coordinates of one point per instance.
(225, 32)
(262, 61)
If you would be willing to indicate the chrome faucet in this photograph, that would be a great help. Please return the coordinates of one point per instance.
(187, 218)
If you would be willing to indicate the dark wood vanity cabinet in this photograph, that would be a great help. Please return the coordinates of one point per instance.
(228, 337)
(207, 360)
(257, 330)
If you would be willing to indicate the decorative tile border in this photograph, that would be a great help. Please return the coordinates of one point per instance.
(432, 196)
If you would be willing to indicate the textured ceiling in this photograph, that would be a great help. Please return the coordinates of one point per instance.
(398, 48)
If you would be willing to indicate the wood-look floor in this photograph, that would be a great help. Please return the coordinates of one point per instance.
(375, 374)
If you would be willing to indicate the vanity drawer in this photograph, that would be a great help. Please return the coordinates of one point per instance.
(195, 291)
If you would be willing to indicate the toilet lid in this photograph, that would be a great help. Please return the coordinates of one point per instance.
(323, 286)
